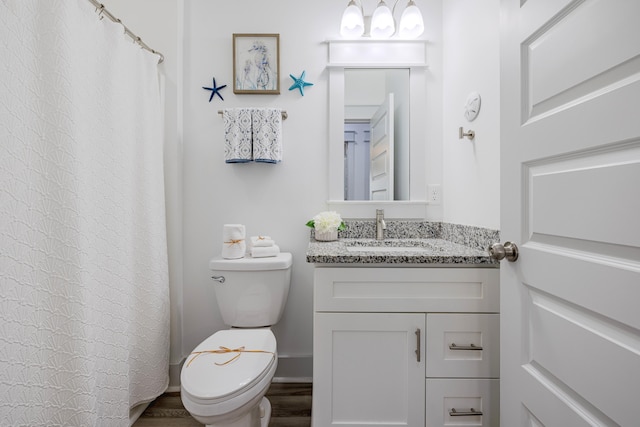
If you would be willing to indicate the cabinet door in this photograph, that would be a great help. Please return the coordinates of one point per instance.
(368, 369)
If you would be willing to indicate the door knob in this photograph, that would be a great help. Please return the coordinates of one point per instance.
(508, 251)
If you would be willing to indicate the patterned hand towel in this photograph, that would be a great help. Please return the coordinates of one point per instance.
(237, 135)
(267, 135)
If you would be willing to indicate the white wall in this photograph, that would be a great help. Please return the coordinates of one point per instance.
(471, 169)
(276, 200)
(203, 192)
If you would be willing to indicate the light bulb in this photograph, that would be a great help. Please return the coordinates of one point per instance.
(382, 25)
(352, 24)
(411, 23)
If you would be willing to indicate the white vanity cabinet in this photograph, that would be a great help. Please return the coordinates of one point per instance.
(405, 346)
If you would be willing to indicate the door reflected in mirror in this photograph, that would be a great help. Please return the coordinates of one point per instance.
(376, 134)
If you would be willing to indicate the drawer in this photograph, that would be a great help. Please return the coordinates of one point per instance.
(406, 289)
(457, 402)
(463, 345)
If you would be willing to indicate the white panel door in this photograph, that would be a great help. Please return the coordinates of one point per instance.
(570, 199)
(381, 149)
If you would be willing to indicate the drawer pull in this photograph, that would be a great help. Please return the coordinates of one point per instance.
(470, 413)
(453, 346)
(418, 344)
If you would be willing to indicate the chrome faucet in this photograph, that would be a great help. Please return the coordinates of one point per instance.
(380, 224)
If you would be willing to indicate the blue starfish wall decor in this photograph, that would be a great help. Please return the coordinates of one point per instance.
(299, 83)
(215, 90)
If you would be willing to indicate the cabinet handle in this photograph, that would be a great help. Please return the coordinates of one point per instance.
(418, 344)
(453, 346)
(470, 413)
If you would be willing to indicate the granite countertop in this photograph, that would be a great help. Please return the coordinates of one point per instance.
(439, 244)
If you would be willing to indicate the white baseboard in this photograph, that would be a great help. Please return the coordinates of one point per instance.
(294, 369)
(174, 376)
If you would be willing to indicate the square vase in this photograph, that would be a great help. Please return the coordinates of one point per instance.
(329, 236)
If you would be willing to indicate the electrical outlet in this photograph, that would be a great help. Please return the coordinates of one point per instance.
(434, 194)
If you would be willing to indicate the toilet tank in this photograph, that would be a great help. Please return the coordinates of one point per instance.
(254, 290)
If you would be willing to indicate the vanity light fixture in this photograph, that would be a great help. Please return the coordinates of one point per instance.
(383, 24)
(411, 23)
(352, 24)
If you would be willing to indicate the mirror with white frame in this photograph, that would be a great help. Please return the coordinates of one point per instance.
(376, 133)
(348, 59)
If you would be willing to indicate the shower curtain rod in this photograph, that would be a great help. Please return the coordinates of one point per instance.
(103, 11)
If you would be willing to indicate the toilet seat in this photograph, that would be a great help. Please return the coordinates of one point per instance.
(204, 383)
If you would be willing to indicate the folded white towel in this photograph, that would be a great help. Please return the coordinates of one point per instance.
(238, 146)
(262, 252)
(233, 232)
(261, 241)
(233, 241)
(267, 135)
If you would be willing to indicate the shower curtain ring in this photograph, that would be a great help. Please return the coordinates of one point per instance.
(101, 9)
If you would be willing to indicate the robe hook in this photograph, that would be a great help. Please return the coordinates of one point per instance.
(461, 133)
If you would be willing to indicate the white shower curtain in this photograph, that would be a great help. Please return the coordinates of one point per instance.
(84, 298)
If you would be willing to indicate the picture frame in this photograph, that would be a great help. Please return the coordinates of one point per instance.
(256, 64)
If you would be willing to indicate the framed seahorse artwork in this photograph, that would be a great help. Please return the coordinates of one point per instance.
(256, 64)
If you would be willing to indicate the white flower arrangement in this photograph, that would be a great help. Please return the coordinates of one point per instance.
(326, 222)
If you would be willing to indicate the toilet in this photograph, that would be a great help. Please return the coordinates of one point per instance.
(225, 378)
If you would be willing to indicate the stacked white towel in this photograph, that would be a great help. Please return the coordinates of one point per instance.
(262, 246)
(233, 241)
(267, 135)
(262, 252)
(261, 241)
(238, 146)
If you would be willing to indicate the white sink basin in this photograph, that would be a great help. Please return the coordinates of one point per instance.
(388, 249)
(391, 246)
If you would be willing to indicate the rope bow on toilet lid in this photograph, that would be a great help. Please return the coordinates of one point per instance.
(223, 350)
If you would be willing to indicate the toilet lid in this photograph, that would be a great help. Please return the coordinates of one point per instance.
(201, 377)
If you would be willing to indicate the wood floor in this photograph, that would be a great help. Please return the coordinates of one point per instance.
(290, 406)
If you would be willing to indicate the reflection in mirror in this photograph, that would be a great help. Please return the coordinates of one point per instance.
(376, 134)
